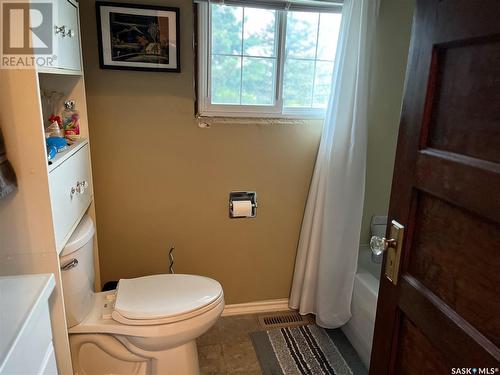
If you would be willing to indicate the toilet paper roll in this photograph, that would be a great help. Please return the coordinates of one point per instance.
(242, 208)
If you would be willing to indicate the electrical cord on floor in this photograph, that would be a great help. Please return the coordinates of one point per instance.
(171, 256)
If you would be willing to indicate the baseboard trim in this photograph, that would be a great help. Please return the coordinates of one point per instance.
(257, 307)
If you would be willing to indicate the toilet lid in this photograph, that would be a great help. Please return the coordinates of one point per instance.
(163, 296)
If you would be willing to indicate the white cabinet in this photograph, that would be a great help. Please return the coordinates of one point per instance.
(70, 185)
(49, 364)
(67, 35)
(39, 218)
(66, 39)
(26, 340)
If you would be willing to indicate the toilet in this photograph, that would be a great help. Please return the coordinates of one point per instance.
(148, 325)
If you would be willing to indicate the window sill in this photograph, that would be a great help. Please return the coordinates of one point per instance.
(234, 120)
(235, 112)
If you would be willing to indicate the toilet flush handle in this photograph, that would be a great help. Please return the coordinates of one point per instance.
(71, 264)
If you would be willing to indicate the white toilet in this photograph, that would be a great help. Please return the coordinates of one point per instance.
(149, 325)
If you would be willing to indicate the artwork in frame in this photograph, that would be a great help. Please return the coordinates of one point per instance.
(138, 37)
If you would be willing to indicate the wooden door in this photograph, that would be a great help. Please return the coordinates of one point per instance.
(443, 316)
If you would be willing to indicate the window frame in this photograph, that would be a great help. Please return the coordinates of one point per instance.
(205, 108)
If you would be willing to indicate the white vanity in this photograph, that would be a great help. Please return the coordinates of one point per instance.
(25, 329)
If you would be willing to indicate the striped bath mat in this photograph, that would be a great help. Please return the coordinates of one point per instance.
(306, 350)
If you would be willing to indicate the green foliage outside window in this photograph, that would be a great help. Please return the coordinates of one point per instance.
(244, 64)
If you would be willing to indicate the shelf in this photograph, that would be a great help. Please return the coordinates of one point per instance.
(62, 156)
(60, 71)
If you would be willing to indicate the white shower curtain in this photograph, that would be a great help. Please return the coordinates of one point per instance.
(328, 248)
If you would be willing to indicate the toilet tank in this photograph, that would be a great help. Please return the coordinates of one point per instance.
(378, 226)
(77, 272)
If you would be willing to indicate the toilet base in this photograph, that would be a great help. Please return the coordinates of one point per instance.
(180, 360)
(95, 354)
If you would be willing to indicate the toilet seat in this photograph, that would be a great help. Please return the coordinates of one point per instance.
(172, 319)
(97, 322)
(163, 299)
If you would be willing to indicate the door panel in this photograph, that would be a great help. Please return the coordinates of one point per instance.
(428, 360)
(456, 338)
(448, 258)
(461, 180)
(444, 311)
(466, 109)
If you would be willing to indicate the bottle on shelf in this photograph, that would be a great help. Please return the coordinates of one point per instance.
(71, 120)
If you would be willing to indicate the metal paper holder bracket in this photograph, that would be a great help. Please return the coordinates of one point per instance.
(242, 196)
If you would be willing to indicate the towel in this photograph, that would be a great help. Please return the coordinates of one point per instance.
(8, 181)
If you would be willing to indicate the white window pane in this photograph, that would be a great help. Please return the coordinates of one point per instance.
(298, 83)
(301, 34)
(227, 29)
(258, 81)
(259, 32)
(226, 79)
(329, 27)
(322, 84)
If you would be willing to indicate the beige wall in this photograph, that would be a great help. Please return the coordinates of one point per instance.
(159, 179)
(388, 70)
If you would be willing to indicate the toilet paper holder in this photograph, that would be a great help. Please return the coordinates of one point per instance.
(242, 196)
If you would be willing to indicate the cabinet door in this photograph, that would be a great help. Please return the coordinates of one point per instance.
(29, 351)
(68, 38)
(70, 194)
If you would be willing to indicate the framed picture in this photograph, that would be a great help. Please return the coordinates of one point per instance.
(138, 37)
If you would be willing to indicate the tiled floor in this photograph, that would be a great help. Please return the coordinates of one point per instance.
(227, 347)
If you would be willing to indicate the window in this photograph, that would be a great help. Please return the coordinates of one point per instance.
(256, 62)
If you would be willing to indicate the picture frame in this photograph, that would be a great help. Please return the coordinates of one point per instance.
(138, 37)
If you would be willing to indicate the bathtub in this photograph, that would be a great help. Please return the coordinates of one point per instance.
(359, 329)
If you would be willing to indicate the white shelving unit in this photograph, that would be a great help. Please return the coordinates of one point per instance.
(31, 225)
(62, 156)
